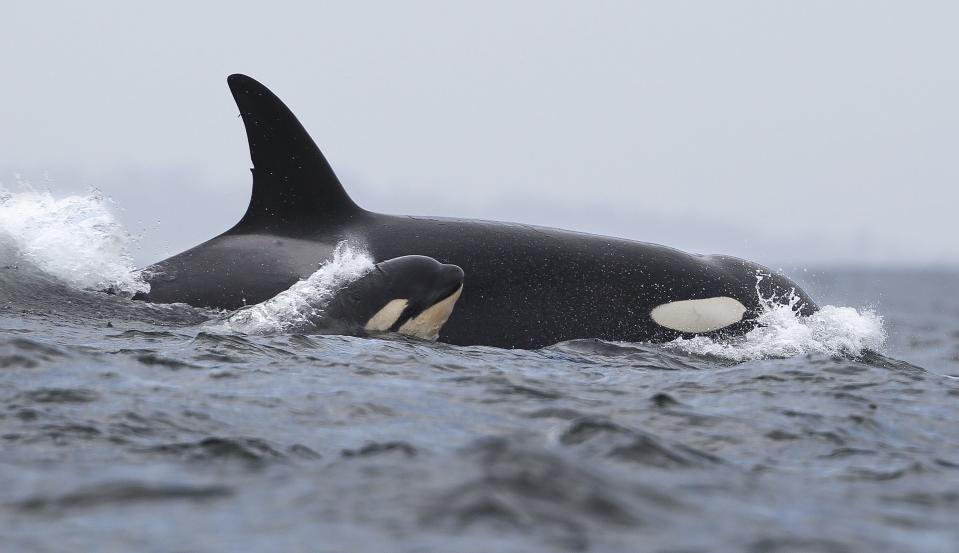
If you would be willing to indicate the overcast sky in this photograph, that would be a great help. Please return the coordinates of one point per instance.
(786, 132)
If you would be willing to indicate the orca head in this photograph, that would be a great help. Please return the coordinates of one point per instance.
(412, 295)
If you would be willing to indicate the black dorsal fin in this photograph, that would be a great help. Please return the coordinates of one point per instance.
(292, 181)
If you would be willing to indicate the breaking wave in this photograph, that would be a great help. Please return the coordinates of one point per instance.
(298, 307)
(76, 239)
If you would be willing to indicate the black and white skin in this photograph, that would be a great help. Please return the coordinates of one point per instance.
(528, 286)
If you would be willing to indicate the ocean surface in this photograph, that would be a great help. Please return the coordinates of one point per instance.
(127, 426)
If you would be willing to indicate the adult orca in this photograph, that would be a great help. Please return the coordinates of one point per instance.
(528, 287)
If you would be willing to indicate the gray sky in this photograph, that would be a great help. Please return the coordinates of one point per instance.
(786, 132)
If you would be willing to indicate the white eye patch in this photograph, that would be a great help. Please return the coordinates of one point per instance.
(697, 316)
(387, 316)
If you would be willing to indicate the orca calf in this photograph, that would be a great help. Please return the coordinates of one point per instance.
(529, 287)
(411, 295)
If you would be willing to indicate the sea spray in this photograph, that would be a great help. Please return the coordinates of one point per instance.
(781, 332)
(298, 307)
(76, 239)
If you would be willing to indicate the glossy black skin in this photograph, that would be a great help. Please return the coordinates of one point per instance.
(420, 280)
(528, 287)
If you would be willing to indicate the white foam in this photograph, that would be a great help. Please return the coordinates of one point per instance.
(296, 308)
(783, 333)
(75, 239)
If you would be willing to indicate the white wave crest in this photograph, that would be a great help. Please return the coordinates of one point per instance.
(783, 333)
(75, 239)
(298, 306)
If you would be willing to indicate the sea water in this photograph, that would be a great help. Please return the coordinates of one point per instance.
(128, 426)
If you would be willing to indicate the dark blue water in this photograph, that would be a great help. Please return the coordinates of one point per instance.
(134, 427)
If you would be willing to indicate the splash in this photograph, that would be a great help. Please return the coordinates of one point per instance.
(782, 332)
(296, 308)
(75, 239)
